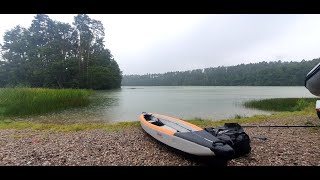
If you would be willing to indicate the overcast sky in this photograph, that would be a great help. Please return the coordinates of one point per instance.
(158, 43)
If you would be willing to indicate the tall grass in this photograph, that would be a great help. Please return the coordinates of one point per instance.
(31, 101)
(282, 104)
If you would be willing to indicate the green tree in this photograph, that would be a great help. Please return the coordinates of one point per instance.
(57, 55)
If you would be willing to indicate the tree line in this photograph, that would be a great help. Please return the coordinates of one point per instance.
(53, 54)
(276, 73)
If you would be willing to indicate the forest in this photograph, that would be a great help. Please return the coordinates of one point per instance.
(52, 54)
(274, 73)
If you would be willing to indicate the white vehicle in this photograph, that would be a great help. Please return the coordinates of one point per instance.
(318, 108)
(312, 83)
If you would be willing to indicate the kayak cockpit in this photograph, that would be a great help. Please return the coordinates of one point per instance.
(153, 120)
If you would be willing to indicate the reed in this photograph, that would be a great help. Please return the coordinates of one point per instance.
(282, 104)
(31, 101)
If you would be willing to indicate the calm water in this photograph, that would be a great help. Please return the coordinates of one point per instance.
(185, 102)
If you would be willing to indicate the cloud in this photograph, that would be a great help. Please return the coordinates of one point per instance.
(217, 40)
(158, 43)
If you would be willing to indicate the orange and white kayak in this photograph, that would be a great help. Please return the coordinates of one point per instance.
(184, 136)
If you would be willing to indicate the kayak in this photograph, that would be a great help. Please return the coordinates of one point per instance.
(312, 80)
(184, 136)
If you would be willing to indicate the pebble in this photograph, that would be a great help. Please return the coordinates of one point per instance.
(134, 147)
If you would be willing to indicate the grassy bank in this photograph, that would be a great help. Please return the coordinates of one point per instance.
(11, 124)
(31, 101)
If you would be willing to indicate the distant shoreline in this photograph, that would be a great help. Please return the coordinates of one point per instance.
(273, 73)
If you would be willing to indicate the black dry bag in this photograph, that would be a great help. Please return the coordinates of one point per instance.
(234, 135)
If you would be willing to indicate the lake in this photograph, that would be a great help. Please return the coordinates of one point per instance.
(185, 102)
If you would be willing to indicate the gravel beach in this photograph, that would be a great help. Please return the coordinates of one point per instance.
(133, 147)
